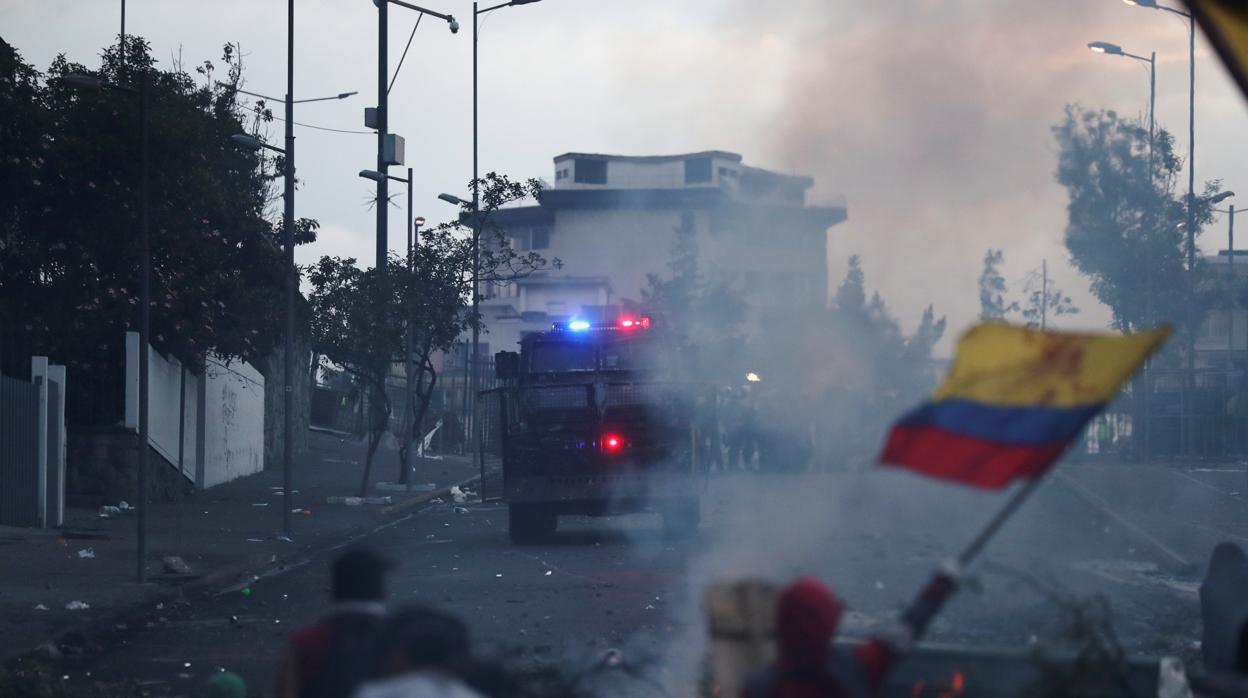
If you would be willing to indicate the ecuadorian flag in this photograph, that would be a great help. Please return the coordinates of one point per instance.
(1013, 401)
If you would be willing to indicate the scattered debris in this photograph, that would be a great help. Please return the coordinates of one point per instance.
(108, 512)
(40, 607)
(458, 495)
(461, 510)
(548, 573)
(48, 651)
(76, 606)
(437, 500)
(255, 540)
(124, 505)
(260, 504)
(86, 554)
(284, 539)
(174, 564)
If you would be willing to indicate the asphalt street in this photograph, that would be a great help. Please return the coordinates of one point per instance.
(618, 583)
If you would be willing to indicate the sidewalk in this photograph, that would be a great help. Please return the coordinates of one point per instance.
(220, 533)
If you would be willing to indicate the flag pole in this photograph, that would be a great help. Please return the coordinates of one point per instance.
(970, 552)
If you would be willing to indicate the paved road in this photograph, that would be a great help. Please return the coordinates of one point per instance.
(618, 583)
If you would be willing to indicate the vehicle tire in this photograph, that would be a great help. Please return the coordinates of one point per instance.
(680, 519)
(528, 524)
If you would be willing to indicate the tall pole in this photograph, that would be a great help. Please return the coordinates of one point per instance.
(476, 241)
(292, 278)
(1044, 293)
(411, 340)
(121, 45)
(383, 188)
(145, 309)
(1193, 321)
(1147, 387)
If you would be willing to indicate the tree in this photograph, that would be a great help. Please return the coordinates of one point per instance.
(357, 325)
(1044, 300)
(707, 312)
(361, 318)
(69, 217)
(1126, 227)
(992, 288)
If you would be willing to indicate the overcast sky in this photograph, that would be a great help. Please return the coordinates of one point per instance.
(931, 117)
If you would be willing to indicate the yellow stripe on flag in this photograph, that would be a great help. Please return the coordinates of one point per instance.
(1000, 364)
(1226, 24)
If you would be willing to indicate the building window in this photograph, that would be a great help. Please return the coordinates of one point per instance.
(697, 170)
(540, 239)
(725, 173)
(591, 171)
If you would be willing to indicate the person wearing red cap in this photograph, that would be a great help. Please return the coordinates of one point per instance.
(810, 666)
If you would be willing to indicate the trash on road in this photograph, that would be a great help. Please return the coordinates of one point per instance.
(349, 501)
(86, 554)
(461, 510)
(377, 500)
(437, 500)
(458, 495)
(124, 505)
(548, 573)
(174, 564)
(76, 606)
(284, 539)
(40, 607)
(108, 512)
(260, 504)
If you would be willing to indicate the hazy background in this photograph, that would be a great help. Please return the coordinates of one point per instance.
(931, 117)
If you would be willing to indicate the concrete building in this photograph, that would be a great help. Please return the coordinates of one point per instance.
(611, 221)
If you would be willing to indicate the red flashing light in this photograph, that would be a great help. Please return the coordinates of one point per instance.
(630, 323)
(612, 443)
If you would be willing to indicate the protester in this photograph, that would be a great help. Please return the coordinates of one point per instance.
(331, 658)
(1224, 610)
(422, 654)
(810, 666)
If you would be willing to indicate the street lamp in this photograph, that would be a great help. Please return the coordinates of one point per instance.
(476, 197)
(409, 368)
(292, 273)
(82, 81)
(1115, 50)
(1191, 195)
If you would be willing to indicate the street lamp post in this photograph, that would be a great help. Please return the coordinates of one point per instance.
(87, 82)
(291, 272)
(1193, 321)
(1115, 50)
(476, 210)
(409, 367)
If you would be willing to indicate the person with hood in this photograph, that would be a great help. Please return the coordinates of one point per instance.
(423, 654)
(1224, 611)
(809, 664)
(331, 658)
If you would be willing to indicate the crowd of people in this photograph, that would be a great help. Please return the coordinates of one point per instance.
(361, 649)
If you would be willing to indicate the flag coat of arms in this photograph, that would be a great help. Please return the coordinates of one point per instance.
(1013, 401)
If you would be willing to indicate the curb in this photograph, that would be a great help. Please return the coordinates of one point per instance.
(255, 564)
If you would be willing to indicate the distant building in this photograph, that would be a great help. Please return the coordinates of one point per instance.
(612, 219)
(1222, 341)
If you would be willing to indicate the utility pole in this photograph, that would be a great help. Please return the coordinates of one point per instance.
(411, 429)
(1044, 293)
(292, 279)
(1193, 321)
(383, 185)
(145, 324)
(476, 245)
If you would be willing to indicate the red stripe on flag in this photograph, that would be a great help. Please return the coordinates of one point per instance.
(979, 462)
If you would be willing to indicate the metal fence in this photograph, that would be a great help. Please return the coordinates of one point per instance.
(19, 452)
(492, 422)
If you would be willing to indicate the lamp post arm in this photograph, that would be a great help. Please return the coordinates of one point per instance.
(408, 5)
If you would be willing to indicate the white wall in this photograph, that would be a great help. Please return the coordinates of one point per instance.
(226, 441)
(234, 422)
